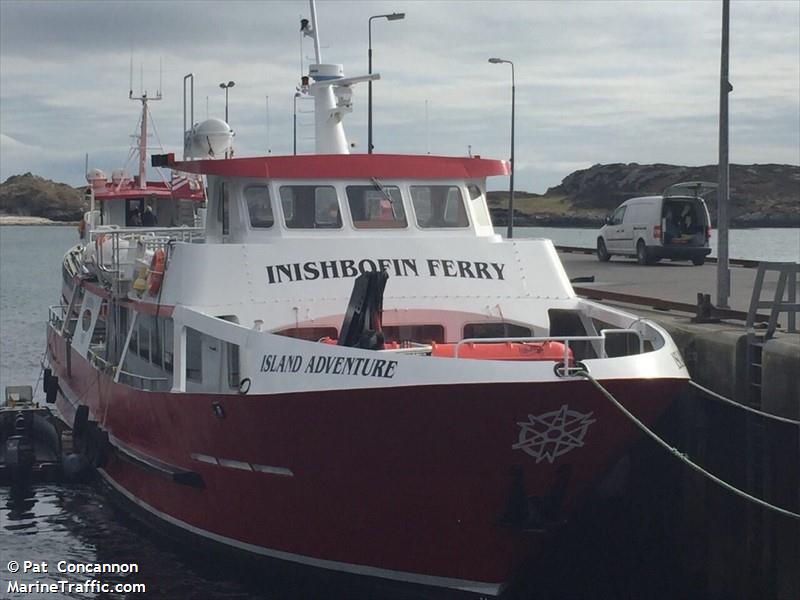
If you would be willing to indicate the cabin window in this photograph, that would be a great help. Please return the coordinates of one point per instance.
(166, 327)
(423, 334)
(376, 207)
(310, 207)
(133, 345)
(232, 357)
(224, 209)
(194, 355)
(259, 207)
(311, 334)
(478, 205)
(145, 325)
(495, 330)
(438, 206)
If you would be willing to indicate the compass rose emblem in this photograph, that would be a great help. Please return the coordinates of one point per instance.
(549, 435)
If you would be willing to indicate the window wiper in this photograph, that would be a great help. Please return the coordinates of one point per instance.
(379, 186)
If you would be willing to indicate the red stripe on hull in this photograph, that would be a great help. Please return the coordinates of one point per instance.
(405, 479)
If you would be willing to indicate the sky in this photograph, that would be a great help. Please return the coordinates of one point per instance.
(596, 81)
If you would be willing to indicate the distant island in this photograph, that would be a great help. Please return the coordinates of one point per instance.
(761, 196)
(30, 199)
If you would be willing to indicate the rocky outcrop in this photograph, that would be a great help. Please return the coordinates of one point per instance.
(761, 195)
(33, 196)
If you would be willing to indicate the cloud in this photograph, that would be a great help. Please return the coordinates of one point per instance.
(595, 81)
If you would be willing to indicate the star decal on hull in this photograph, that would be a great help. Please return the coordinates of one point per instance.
(552, 434)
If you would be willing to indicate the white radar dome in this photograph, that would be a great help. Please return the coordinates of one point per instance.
(118, 175)
(96, 178)
(210, 139)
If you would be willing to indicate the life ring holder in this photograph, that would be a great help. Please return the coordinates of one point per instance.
(155, 274)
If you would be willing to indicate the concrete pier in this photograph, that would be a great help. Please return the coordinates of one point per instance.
(725, 546)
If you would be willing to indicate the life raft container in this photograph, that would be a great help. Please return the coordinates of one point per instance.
(516, 351)
(156, 272)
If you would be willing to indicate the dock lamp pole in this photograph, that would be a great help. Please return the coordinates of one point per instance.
(723, 189)
(497, 61)
(226, 87)
(389, 17)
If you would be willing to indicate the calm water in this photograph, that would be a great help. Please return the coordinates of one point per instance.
(76, 523)
(777, 245)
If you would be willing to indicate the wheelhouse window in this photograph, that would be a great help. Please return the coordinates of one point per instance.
(310, 207)
(439, 206)
(478, 205)
(259, 207)
(376, 207)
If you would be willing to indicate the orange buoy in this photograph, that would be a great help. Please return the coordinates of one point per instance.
(156, 271)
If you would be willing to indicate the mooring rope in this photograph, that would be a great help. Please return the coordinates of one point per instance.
(760, 413)
(681, 456)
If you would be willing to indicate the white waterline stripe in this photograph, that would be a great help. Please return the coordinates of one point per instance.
(273, 470)
(475, 587)
(204, 458)
(234, 464)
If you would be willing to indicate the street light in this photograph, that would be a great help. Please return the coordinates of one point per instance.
(497, 61)
(389, 17)
(226, 87)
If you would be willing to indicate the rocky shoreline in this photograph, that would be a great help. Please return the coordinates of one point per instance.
(24, 220)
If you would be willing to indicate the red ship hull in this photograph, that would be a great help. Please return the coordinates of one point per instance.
(404, 483)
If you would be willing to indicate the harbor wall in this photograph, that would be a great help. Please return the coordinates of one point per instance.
(734, 548)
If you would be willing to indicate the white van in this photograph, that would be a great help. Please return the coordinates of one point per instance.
(674, 225)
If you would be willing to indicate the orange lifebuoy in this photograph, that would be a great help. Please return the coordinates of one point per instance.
(156, 271)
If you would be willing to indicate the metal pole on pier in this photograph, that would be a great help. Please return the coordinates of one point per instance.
(723, 191)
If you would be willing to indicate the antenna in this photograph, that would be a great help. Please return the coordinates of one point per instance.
(315, 31)
(427, 130)
(269, 151)
(86, 164)
(190, 78)
(141, 78)
(160, 77)
(130, 82)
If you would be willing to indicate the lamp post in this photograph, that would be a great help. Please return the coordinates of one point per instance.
(226, 87)
(497, 61)
(389, 17)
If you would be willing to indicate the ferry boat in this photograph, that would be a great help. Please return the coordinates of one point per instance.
(343, 366)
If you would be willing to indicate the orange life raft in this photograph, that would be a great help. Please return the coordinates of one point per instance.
(503, 351)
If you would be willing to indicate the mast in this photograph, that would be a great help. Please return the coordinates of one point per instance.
(143, 145)
(142, 149)
(332, 95)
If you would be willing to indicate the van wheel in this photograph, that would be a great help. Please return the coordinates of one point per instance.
(602, 252)
(698, 261)
(641, 253)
